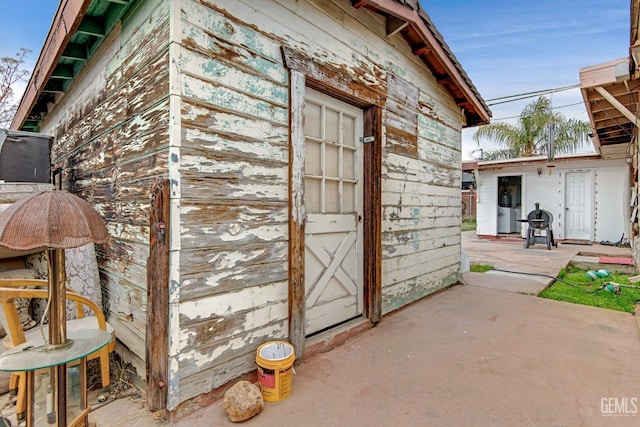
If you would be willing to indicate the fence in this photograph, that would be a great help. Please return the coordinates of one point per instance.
(468, 205)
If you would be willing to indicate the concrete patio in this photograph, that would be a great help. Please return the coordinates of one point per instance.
(481, 354)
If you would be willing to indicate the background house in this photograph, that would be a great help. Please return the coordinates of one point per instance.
(589, 197)
(267, 170)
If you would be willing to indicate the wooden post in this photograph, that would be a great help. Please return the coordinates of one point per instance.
(157, 331)
(296, 213)
(373, 214)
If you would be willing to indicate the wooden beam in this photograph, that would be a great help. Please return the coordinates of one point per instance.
(63, 71)
(92, 26)
(445, 79)
(372, 239)
(358, 3)
(54, 86)
(621, 108)
(296, 212)
(616, 90)
(420, 49)
(607, 121)
(75, 51)
(157, 331)
(395, 25)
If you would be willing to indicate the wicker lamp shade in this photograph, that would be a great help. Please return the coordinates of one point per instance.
(54, 219)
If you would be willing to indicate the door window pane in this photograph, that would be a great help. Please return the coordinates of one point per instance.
(349, 164)
(331, 160)
(349, 132)
(348, 197)
(332, 125)
(312, 120)
(312, 158)
(312, 195)
(332, 197)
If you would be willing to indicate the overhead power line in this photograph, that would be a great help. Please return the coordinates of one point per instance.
(525, 95)
(553, 108)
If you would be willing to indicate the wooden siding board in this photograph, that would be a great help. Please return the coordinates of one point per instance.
(419, 171)
(398, 269)
(221, 328)
(399, 243)
(214, 35)
(232, 234)
(401, 116)
(206, 260)
(123, 299)
(142, 36)
(223, 74)
(251, 190)
(245, 275)
(223, 24)
(206, 117)
(439, 154)
(406, 292)
(232, 100)
(214, 377)
(202, 358)
(129, 336)
(216, 144)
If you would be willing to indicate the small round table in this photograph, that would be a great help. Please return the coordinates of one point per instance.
(42, 406)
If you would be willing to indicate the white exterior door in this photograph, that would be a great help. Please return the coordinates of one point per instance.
(333, 204)
(578, 206)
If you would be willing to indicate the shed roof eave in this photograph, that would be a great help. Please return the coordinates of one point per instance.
(524, 161)
(416, 17)
(69, 12)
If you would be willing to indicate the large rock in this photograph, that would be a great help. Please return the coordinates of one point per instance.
(242, 401)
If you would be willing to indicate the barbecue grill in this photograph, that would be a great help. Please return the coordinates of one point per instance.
(540, 230)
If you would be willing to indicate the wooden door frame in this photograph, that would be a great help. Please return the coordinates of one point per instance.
(304, 72)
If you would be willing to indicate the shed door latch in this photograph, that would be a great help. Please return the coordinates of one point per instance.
(367, 139)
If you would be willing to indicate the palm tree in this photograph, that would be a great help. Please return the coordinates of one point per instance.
(531, 135)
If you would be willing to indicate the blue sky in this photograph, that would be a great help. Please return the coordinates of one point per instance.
(506, 46)
(25, 23)
(509, 47)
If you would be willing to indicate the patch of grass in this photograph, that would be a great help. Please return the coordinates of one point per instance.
(597, 296)
(480, 268)
(468, 225)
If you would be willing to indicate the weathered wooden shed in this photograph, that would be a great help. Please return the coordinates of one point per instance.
(268, 169)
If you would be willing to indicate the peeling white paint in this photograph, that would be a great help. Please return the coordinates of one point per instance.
(251, 297)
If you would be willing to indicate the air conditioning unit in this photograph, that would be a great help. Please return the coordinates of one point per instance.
(25, 156)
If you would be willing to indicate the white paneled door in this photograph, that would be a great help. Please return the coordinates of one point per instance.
(333, 204)
(578, 205)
